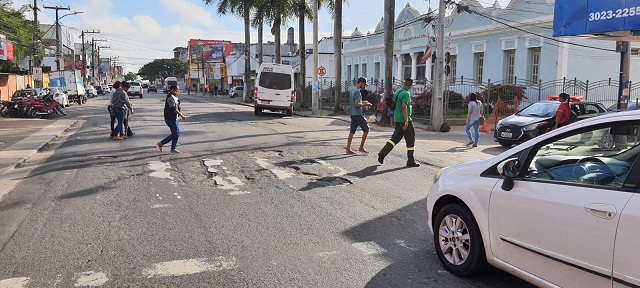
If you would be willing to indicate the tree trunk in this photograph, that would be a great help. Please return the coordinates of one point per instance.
(277, 23)
(260, 40)
(301, 47)
(337, 54)
(247, 58)
(389, 8)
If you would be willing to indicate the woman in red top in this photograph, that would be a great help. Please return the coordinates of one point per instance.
(562, 114)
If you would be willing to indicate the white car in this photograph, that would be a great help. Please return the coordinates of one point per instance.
(551, 211)
(135, 89)
(236, 91)
(90, 90)
(58, 95)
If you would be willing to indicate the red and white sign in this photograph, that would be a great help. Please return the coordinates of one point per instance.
(78, 64)
(322, 71)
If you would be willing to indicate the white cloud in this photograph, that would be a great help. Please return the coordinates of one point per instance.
(188, 13)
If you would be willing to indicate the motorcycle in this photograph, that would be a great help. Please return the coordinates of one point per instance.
(45, 107)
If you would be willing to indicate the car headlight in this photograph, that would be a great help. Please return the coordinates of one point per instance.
(438, 174)
(530, 127)
(499, 123)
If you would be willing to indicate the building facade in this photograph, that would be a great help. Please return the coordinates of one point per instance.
(493, 44)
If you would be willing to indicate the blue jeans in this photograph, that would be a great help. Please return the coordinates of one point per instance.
(476, 126)
(175, 133)
(119, 113)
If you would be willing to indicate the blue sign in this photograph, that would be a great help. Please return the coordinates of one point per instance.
(579, 17)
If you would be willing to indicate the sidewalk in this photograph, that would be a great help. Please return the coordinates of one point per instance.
(20, 138)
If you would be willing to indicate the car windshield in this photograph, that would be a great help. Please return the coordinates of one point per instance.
(24, 93)
(630, 106)
(540, 109)
(135, 84)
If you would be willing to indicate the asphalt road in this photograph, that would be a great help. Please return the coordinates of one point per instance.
(253, 201)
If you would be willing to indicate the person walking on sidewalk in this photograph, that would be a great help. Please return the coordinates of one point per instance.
(119, 101)
(473, 119)
(357, 117)
(172, 110)
(403, 125)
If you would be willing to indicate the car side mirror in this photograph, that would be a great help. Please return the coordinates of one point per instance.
(509, 169)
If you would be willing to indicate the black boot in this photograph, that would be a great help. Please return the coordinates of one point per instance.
(410, 161)
(383, 153)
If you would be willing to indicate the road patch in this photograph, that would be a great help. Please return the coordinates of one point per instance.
(189, 267)
(90, 278)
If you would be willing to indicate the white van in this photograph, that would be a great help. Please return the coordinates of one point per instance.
(275, 90)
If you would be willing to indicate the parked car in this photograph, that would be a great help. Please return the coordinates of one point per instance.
(236, 91)
(528, 122)
(274, 89)
(135, 89)
(153, 88)
(58, 95)
(107, 89)
(29, 92)
(553, 215)
(91, 91)
(99, 90)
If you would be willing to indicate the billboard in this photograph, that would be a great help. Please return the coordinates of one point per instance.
(579, 17)
(208, 51)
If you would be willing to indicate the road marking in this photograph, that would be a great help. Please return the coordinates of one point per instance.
(369, 248)
(403, 244)
(341, 172)
(280, 174)
(161, 170)
(15, 282)
(177, 196)
(228, 185)
(160, 206)
(234, 193)
(90, 278)
(189, 266)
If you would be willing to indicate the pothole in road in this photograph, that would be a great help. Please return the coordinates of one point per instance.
(267, 153)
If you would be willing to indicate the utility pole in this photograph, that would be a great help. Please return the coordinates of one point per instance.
(315, 85)
(437, 113)
(389, 29)
(625, 63)
(36, 41)
(93, 58)
(58, 41)
(84, 53)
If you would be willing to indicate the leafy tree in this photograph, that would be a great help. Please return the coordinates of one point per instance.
(18, 30)
(242, 9)
(130, 76)
(162, 68)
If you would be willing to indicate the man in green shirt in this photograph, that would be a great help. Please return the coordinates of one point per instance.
(403, 125)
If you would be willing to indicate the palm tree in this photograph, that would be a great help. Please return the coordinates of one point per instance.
(242, 9)
(275, 12)
(337, 51)
(303, 12)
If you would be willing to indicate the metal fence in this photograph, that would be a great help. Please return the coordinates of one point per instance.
(457, 91)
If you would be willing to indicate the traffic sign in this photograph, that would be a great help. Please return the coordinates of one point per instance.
(322, 71)
(37, 73)
(78, 64)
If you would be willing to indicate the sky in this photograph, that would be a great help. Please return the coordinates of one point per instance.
(139, 31)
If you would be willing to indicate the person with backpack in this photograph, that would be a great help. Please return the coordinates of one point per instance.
(403, 125)
(563, 114)
(172, 110)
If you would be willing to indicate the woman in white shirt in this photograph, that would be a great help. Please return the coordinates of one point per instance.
(473, 119)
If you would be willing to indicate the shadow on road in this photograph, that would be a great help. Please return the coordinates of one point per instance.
(409, 246)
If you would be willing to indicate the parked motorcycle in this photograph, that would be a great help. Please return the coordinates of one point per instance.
(44, 108)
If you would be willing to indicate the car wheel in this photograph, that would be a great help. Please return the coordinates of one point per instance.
(607, 141)
(4, 111)
(505, 144)
(289, 113)
(257, 111)
(141, 96)
(458, 241)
